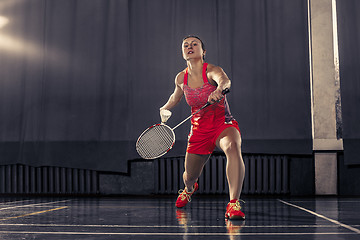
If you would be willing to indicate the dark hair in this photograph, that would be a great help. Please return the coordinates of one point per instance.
(194, 36)
(202, 44)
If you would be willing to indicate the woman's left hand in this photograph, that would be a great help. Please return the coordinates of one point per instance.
(215, 96)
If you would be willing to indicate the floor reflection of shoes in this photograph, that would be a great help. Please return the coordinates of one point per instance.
(234, 227)
(182, 217)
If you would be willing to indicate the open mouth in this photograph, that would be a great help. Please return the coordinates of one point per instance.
(190, 52)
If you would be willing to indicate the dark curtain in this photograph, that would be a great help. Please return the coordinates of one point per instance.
(349, 54)
(80, 80)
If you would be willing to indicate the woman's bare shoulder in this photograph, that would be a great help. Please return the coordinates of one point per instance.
(213, 68)
(179, 79)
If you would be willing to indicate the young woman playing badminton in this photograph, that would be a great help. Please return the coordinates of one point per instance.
(213, 126)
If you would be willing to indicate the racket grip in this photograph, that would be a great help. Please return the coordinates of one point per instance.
(225, 91)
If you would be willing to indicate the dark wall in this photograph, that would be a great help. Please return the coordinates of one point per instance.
(302, 175)
(349, 51)
(81, 80)
(348, 178)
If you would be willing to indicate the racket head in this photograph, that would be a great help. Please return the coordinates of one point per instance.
(155, 141)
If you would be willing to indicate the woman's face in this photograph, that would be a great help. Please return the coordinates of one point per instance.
(192, 49)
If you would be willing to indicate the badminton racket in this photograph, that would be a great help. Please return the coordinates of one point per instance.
(158, 139)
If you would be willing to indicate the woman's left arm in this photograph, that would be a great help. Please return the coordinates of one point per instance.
(217, 74)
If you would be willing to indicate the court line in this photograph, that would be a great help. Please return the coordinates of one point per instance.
(31, 205)
(325, 200)
(34, 213)
(165, 226)
(172, 234)
(322, 216)
(7, 203)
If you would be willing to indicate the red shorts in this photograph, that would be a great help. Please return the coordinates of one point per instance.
(204, 142)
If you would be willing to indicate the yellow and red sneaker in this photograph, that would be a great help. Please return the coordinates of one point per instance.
(185, 197)
(233, 211)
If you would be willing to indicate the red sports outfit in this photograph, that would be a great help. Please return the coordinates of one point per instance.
(209, 123)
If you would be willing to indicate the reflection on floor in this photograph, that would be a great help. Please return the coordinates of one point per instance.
(156, 217)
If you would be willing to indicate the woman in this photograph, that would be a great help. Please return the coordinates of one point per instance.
(213, 126)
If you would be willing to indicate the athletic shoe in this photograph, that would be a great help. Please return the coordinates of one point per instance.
(185, 197)
(233, 210)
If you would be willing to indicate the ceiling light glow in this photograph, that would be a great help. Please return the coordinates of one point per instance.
(3, 21)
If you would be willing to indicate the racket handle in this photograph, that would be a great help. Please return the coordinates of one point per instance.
(225, 91)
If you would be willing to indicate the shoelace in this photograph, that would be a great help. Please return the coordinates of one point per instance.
(184, 194)
(236, 206)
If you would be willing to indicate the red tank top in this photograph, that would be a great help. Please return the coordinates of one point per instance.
(197, 97)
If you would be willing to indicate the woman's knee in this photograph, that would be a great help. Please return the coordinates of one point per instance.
(232, 147)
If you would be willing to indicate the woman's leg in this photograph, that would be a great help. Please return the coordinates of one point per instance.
(194, 165)
(230, 142)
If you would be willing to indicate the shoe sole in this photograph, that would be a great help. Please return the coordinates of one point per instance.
(235, 217)
(180, 206)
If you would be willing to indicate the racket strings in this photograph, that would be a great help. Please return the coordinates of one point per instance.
(155, 142)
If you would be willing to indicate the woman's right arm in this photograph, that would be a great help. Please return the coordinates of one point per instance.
(178, 93)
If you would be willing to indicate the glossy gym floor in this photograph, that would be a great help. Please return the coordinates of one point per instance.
(157, 218)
